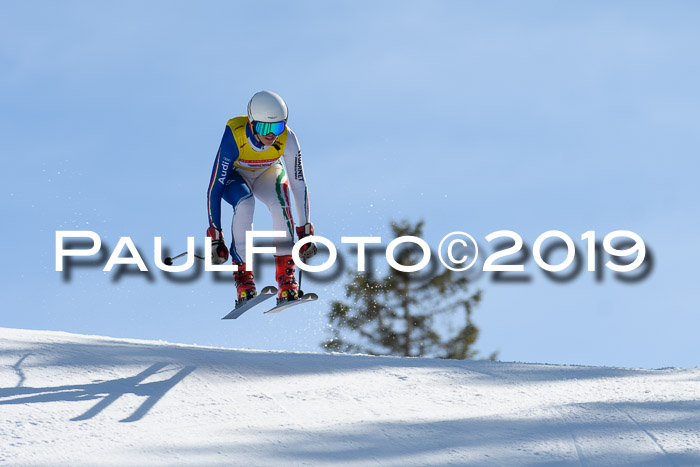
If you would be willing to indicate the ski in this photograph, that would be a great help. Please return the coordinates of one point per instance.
(267, 292)
(306, 298)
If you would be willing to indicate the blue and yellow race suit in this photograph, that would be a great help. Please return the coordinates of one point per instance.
(245, 169)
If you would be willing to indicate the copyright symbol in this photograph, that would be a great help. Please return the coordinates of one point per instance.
(466, 241)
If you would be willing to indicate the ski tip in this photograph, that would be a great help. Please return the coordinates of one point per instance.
(310, 296)
(270, 289)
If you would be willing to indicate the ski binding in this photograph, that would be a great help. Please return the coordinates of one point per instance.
(283, 305)
(267, 292)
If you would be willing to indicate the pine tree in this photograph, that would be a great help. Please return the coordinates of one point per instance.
(396, 315)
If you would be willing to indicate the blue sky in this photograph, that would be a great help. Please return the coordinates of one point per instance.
(474, 116)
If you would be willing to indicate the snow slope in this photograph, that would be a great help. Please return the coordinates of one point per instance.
(70, 399)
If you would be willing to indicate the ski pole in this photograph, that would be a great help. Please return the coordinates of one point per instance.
(169, 261)
(303, 260)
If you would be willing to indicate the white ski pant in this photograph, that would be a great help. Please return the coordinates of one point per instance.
(270, 186)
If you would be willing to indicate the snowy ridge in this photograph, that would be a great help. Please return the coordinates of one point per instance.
(83, 400)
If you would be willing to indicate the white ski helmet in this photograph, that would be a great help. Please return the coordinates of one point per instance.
(268, 107)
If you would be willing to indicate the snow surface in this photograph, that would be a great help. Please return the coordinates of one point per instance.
(85, 400)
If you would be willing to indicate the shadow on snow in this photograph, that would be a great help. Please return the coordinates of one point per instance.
(105, 392)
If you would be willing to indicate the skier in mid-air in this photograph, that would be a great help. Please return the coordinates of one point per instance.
(249, 165)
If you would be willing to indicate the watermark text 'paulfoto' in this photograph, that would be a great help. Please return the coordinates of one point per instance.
(457, 251)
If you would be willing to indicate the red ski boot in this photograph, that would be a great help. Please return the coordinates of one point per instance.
(245, 284)
(286, 282)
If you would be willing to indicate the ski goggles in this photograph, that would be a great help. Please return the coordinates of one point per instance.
(265, 128)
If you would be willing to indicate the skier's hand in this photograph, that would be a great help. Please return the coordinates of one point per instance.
(219, 252)
(308, 250)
